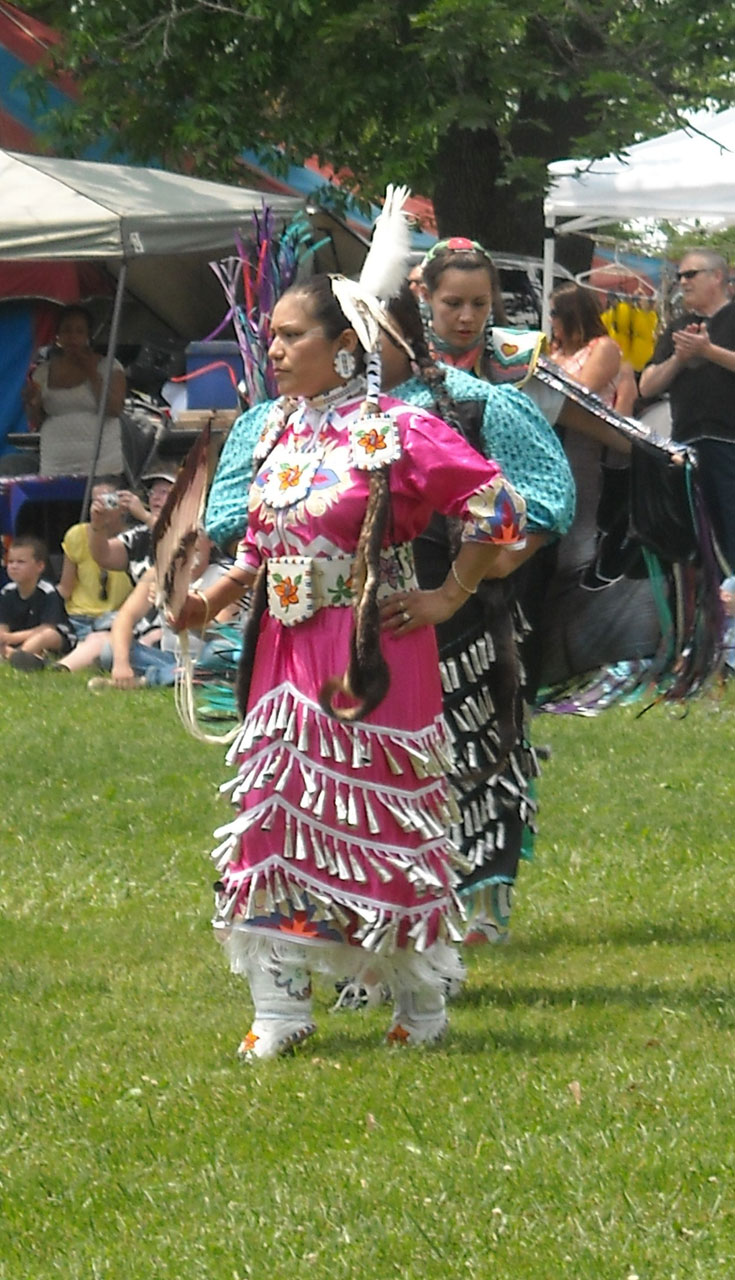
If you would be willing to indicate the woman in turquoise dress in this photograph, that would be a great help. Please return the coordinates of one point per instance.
(479, 647)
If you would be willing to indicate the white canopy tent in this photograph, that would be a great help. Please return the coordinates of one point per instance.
(681, 176)
(130, 218)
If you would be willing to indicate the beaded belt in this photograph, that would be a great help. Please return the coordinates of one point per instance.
(298, 586)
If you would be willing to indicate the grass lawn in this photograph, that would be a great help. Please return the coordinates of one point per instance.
(576, 1123)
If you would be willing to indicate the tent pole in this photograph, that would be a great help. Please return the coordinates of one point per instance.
(548, 272)
(101, 411)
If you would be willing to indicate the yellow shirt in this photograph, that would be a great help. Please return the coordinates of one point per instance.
(87, 595)
(644, 337)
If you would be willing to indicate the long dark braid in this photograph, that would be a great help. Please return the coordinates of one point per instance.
(405, 309)
(368, 676)
(258, 606)
(492, 596)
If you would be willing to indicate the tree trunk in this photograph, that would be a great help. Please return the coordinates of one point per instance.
(470, 201)
(468, 166)
(469, 196)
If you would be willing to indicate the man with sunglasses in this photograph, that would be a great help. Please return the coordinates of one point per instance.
(694, 362)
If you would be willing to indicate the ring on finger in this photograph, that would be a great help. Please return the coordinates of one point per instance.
(406, 615)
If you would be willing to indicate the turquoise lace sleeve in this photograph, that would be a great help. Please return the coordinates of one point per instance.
(226, 515)
(516, 435)
(530, 454)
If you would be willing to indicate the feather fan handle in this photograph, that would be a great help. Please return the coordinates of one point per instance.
(186, 702)
(386, 264)
(175, 531)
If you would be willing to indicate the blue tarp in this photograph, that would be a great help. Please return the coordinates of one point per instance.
(17, 343)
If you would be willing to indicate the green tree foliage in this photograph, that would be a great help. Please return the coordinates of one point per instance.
(467, 100)
(681, 241)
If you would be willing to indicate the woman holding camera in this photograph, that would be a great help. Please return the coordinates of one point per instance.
(92, 595)
(62, 400)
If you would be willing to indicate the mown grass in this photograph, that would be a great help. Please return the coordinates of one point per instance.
(576, 1123)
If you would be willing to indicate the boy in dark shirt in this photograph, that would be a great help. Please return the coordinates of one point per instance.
(33, 619)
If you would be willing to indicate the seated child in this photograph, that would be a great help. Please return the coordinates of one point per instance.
(33, 620)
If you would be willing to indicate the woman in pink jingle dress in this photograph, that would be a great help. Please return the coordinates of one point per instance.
(339, 857)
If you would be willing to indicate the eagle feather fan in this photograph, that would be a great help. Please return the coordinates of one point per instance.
(175, 532)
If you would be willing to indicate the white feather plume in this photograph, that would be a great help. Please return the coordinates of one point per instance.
(366, 315)
(386, 264)
(361, 311)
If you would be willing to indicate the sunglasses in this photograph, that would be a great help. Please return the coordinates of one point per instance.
(104, 578)
(691, 273)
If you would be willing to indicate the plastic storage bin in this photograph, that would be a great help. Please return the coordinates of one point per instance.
(214, 389)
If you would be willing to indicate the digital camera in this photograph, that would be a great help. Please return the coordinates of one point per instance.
(110, 500)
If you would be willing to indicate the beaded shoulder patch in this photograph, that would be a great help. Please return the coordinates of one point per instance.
(374, 442)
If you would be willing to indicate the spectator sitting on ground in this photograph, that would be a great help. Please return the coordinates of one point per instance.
(33, 619)
(134, 665)
(116, 553)
(131, 550)
(93, 595)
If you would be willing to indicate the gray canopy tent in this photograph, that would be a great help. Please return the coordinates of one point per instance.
(144, 224)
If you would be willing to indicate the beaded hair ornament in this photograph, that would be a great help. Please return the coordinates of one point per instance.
(374, 444)
(455, 244)
(374, 440)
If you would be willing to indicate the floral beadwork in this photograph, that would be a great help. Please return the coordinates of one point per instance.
(287, 590)
(343, 591)
(276, 488)
(374, 442)
(289, 479)
(291, 589)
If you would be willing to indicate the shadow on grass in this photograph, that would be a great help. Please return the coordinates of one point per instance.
(709, 1001)
(339, 1047)
(494, 1039)
(640, 933)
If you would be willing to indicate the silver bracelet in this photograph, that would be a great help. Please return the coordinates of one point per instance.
(469, 591)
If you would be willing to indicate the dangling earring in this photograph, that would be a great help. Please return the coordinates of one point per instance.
(344, 364)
